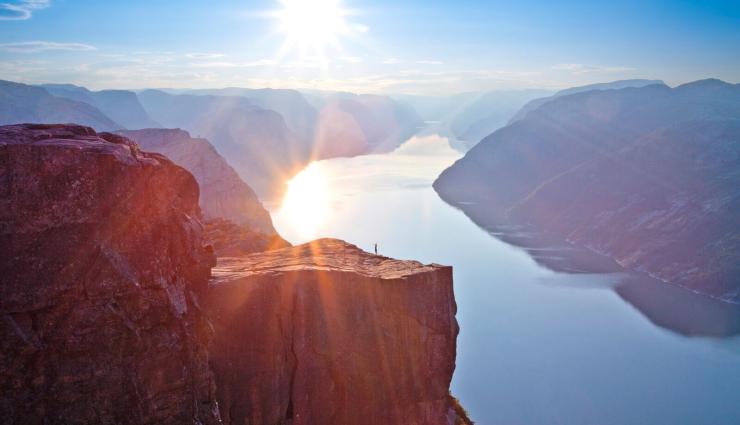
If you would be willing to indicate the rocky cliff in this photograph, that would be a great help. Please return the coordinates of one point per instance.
(108, 315)
(103, 272)
(647, 176)
(325, 333)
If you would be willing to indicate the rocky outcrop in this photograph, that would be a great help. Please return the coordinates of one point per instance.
(107, 314)
(325, 333)
(103, 272)
(223, 194)
(645, 176)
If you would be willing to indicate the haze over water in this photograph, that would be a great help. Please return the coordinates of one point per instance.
(535, 346)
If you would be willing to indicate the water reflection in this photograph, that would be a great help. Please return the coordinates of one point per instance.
(306, 202)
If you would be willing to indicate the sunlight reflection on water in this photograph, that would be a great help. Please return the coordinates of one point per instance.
(318, 193)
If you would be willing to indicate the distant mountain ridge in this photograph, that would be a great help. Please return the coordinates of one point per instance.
(21, 103)
(614, 85)
(122, 106)
(648, 176)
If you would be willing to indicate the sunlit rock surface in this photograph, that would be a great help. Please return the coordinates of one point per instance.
(325, 333)
(103, 272)
(645, 176)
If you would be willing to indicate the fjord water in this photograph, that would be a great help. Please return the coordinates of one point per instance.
(535, 346)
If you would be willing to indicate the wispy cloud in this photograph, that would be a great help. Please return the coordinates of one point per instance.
(21, 10)
(579, 68)
(430, 62)
(204, 55)
(392, 61)
(42, 46)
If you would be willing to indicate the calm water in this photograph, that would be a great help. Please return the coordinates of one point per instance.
(536, 346)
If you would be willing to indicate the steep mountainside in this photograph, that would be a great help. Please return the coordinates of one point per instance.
(615, 85)
(256, 141)
(222, 193)
(21, 103)
(647, 176)
(103, 265)
(120, 105)
(325, 333)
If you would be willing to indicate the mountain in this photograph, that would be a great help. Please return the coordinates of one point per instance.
(21, 103)
(648, 176)
(120, 105)
(488, 113)
(256, 141)
(265, 148)
(614, 85)
(466, 118)
(223, 194)
(367, 124)
(299, 115)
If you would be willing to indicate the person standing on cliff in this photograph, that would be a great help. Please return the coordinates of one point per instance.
(376, 249)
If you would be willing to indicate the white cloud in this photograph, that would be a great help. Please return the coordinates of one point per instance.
(21, 10)
(204, 55)
(351, 59)
(392, 61)
(430, 62)
(42, 46)
(579, 68)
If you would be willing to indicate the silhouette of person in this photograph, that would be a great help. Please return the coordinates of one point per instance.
(376, 249)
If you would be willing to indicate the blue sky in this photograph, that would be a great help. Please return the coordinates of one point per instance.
(427, 47)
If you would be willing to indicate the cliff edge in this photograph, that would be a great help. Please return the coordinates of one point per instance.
(325, 333)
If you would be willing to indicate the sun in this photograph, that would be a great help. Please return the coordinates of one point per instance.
(306, 202)
(312, 26)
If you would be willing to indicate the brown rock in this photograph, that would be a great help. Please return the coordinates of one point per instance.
(102, 270)
(325, 333)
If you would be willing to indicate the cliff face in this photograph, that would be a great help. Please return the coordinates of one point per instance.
(107, 314)
(223, 194)
(646, 176)
(325, 333)
(102, 271)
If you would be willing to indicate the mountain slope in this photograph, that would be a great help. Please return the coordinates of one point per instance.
(257, 142)
(647, 176)
(222, 193)
(121, 105)
(21, 103)
(614, 85)
(488, 113)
